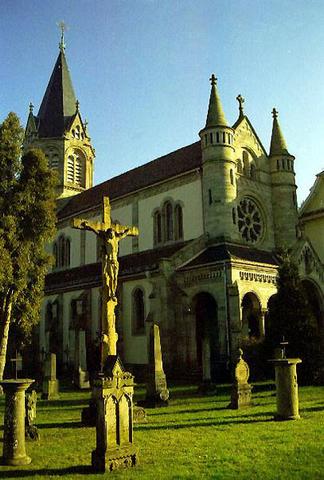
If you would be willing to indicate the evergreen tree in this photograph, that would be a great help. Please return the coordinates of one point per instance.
(291, 317)
(27, 223)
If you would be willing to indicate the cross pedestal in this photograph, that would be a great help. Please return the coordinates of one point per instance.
(286, 388)
(14, 450)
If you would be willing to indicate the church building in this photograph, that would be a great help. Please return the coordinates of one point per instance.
(210, 217)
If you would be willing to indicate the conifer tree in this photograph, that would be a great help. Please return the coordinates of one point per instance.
(27, 223)
(291, 317)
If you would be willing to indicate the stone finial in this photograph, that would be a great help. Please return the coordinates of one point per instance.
(213, 80)
(31, 107)
(241, 101)
(77, 106)
(274, 113)
(63, 27)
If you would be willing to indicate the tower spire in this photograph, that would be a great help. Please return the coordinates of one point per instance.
(278, 144)
(215, 114)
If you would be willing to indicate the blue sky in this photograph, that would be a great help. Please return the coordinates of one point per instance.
(140, 69)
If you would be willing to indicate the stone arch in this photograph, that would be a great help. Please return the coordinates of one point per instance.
(205, 309)
(251, 316)
(315, 301)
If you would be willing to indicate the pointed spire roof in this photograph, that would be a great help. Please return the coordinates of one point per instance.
(59, 101)
(215, 114)
(278, 144)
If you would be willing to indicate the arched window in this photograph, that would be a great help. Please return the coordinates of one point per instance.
(231, 177)
(157, 228)
(178, 222)
(168, 218)
(245, 163)
(55, 255)
(62, 252)
(67, 252)
(138, 311)
(239, 166)
(75, 172)
(252, 170)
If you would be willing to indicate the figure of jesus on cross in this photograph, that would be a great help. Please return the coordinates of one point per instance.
(110, 235)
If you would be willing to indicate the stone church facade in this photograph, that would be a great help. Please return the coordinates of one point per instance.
(210, 217)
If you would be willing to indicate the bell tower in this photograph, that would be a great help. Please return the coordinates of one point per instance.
(284, 201)
(219, 191)
(59, 130)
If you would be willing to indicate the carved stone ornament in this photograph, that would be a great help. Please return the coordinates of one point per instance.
(242, 371)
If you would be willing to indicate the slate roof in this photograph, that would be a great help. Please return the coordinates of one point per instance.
(90, 275)
(175, 163)
(278, 144)
(59, 102)
(227, 251)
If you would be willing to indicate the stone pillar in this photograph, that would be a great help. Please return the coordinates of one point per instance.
(14, 450)
(241, 390)
(50, 383)
(113, 396)
(286, 388)
(157, 393)
(262, 322)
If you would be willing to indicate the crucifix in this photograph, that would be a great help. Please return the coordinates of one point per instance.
(110, 235)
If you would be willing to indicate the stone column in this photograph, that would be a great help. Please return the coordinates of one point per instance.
(50, 383)
(157, 393)
(14, 450)
(286, 388)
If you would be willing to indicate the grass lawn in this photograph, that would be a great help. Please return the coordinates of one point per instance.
(195, 437)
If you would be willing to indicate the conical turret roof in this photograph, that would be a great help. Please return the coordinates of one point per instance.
(215, 114)
(59, 102)
(278, 144)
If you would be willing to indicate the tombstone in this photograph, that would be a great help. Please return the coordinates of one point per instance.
(14, 449)
(286, 388)
(113, 394)
(50, 382)
(157, 393)
(81, 374)
(241, 390)
(31, 432)
(139, 414)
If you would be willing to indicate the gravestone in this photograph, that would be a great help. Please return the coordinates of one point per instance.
(113, 394)
(31, 431)
(157, 393)
(14, 448)
(50, 390)
(80, 364)
(241, 390)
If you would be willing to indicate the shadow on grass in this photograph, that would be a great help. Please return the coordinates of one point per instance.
(192, 410)
(200, 424)
(312, 409)
(61, 425)
(63, 403)
(47, 472)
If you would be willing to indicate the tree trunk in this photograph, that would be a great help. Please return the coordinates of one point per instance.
(5, 317)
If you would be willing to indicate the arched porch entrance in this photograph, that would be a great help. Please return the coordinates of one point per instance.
(315, 304)
(252, 319)
(207, 338)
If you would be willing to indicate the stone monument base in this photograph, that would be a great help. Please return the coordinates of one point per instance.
(82, 379)
(241, 396)
(50, 390)
(114, 458)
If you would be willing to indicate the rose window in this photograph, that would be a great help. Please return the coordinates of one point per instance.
(249, 220)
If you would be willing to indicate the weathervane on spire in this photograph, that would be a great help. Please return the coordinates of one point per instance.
(274, 113)
(213, 80)
(241, 101)
(63, 27)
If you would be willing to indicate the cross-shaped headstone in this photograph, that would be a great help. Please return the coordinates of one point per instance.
(283, 345)
(110, 235)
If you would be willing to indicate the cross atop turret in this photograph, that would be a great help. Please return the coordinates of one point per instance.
(274, 113)
(63, 27)
(213, 80)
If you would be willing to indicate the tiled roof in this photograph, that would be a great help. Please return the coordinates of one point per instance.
(168, 166)
(89, 275)
(59, 102)
(229, 251)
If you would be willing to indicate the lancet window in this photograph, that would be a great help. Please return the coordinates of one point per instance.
(62, 252)
(168, 223)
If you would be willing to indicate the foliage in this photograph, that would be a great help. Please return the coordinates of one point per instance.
(195, 437)
(291, 317)
(27, 223)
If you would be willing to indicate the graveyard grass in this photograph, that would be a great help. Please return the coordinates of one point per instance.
(195, 437)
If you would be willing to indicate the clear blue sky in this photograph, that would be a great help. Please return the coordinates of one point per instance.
(140, 69)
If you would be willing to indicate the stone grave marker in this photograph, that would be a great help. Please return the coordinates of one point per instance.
(241, 390)
(80, 364)
(157, 393)
(31, 431)
(50, 390)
